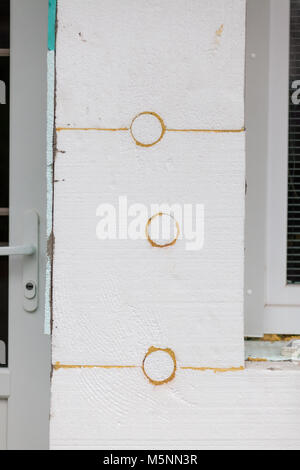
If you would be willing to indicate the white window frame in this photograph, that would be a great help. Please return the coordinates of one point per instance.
(282, 312)
(256, 122)
(271, 305)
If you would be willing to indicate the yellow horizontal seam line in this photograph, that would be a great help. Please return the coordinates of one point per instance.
(256, 359)
(117, 129)
(58, 366)
(214, 369)
(206, 130)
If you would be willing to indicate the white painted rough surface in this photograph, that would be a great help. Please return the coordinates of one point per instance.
(115, 299)
(105, 409)
(116, 58)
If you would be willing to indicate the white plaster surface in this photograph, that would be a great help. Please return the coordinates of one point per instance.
(114, 299)
(254, 409)
(116, 58)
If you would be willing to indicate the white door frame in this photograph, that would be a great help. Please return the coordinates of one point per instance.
(256, 121)
(26, 382)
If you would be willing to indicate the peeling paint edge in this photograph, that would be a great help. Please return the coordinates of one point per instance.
(50, 158)
(50, 127)
(273, 338)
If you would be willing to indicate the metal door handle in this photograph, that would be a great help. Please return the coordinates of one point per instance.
(17, 250)
(30, 251)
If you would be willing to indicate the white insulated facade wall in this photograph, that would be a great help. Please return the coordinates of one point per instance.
(114, 299)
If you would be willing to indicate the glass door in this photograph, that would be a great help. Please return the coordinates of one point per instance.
(24, 348)
(4, 174)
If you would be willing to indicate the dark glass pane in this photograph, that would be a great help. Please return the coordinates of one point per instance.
(4, 24)
(293, 235)
(3, 231)
(4, 131)
(4, 175)
(3, 293)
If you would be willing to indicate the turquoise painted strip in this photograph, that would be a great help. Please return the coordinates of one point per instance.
(51, 25)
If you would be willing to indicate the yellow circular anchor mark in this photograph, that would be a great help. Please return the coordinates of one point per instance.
(163, 128)
(153, 243)
(168, 351)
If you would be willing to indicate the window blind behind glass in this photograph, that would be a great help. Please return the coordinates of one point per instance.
(293, 235)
